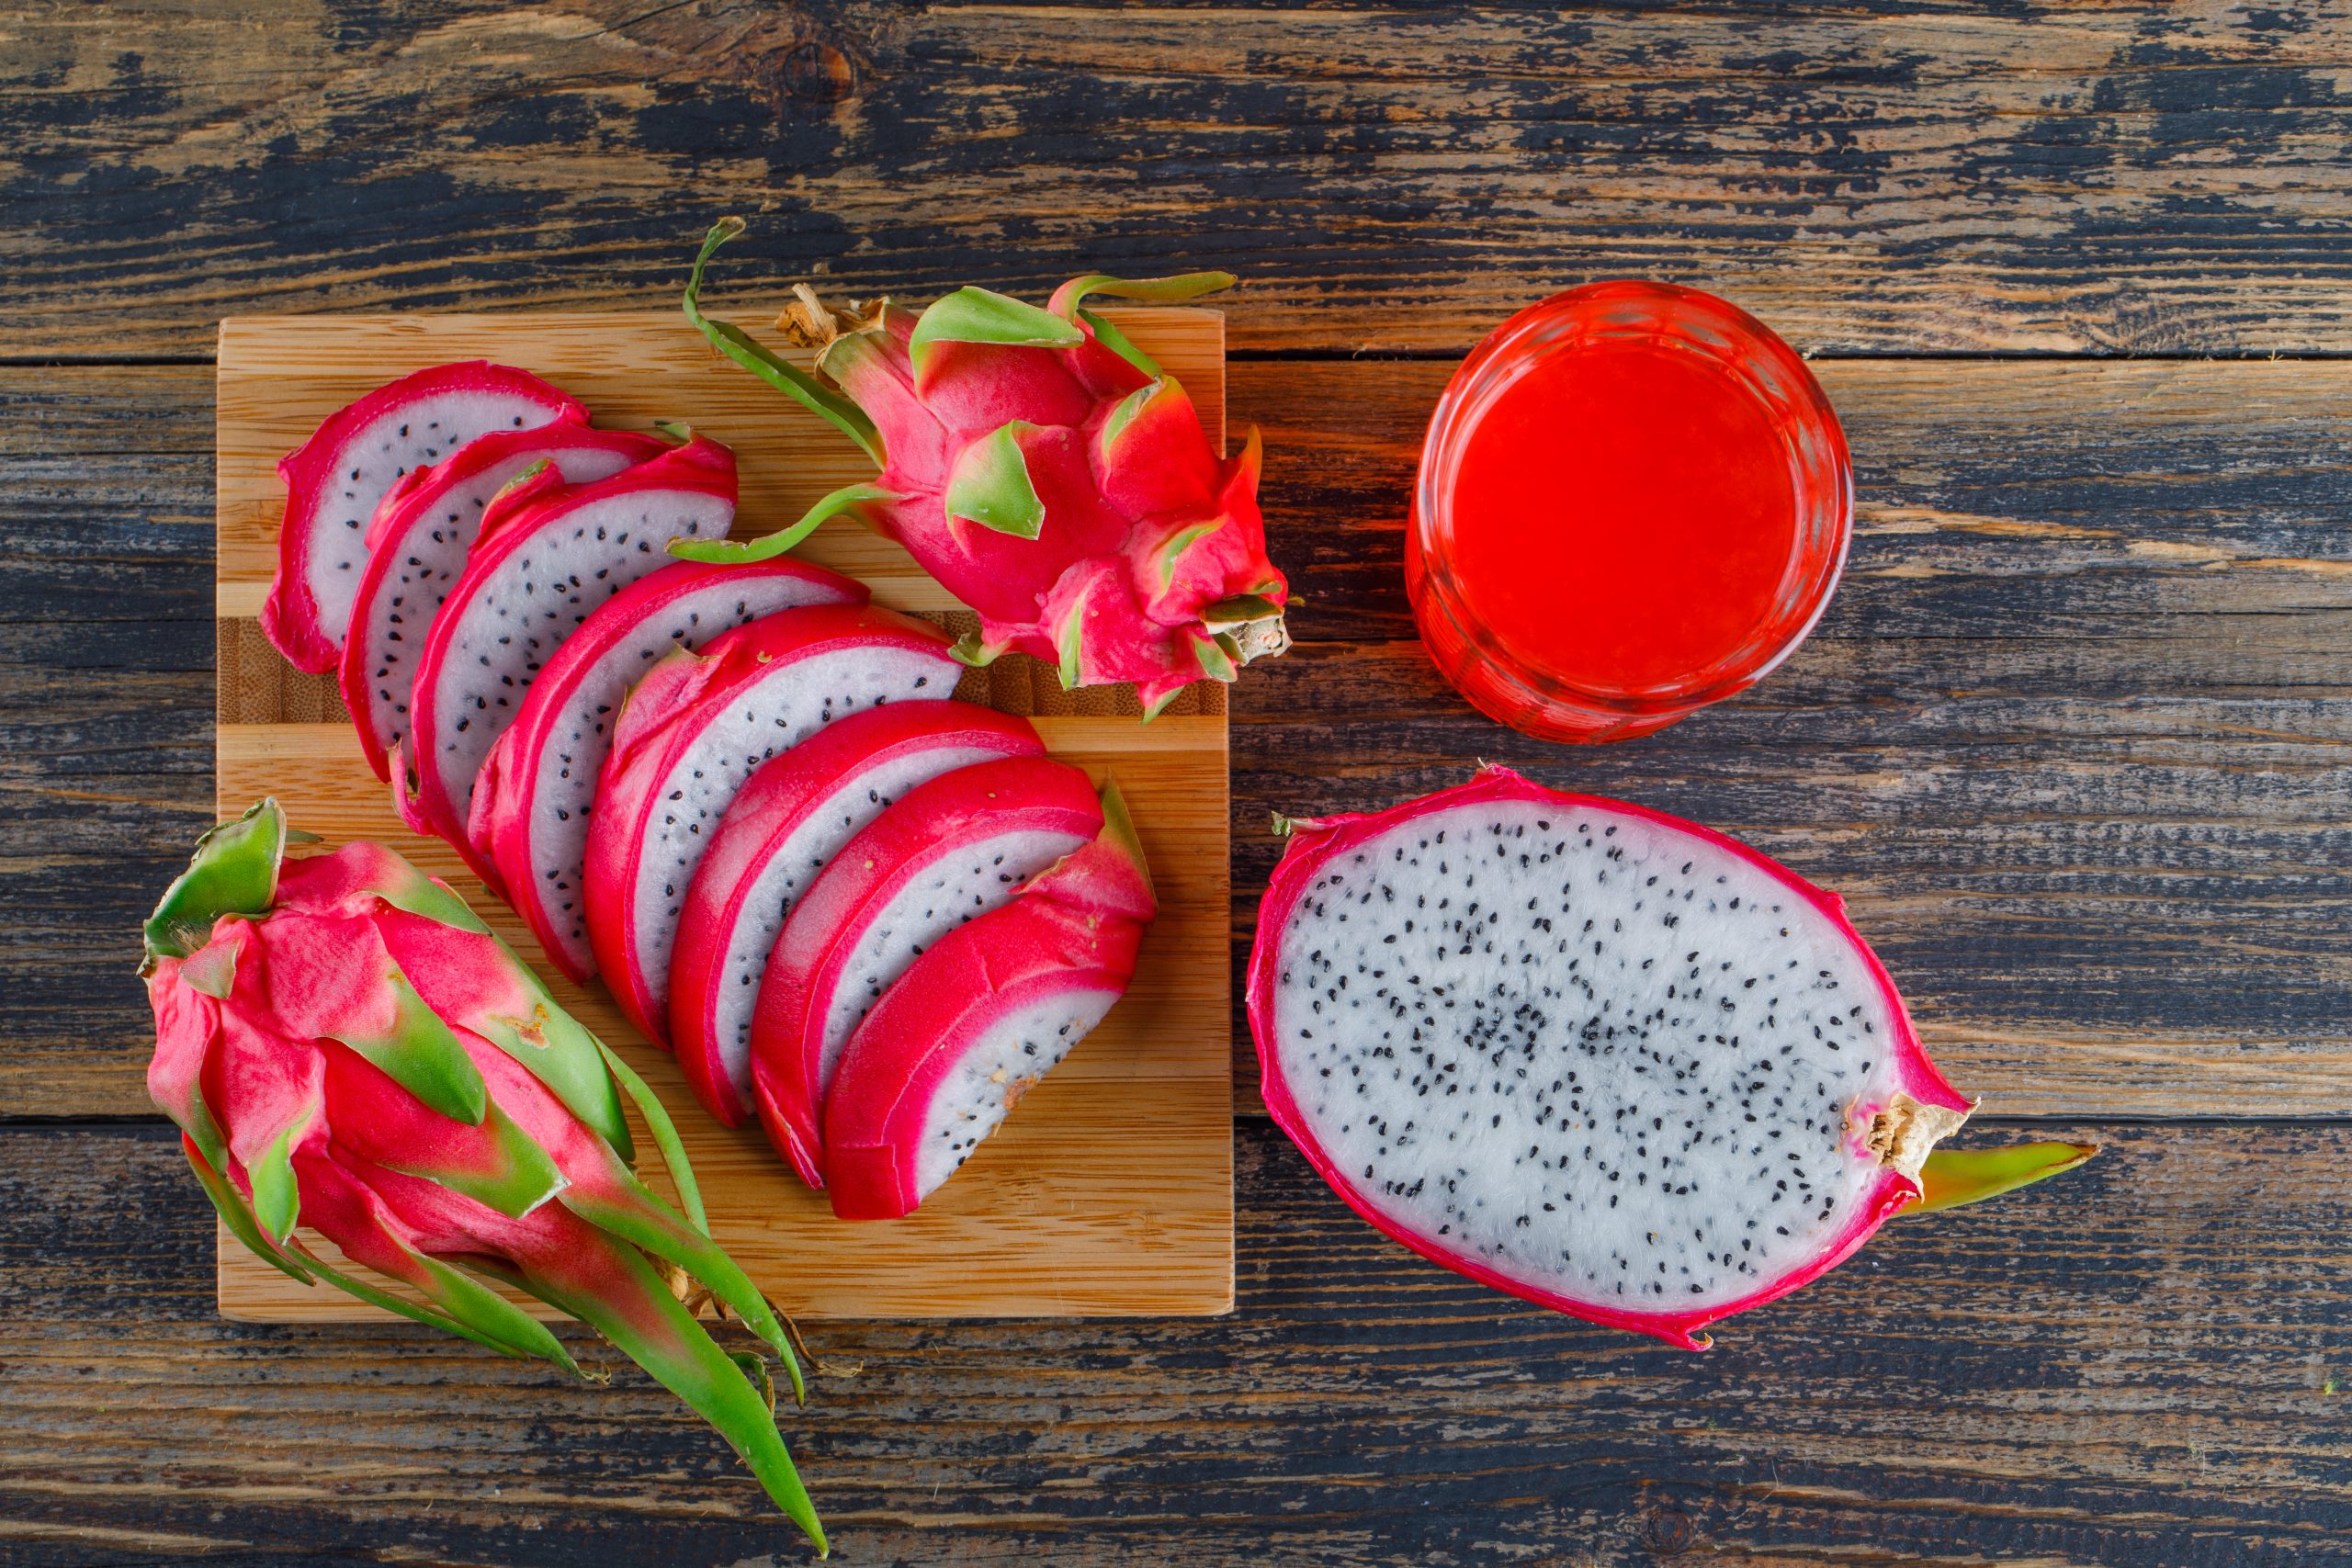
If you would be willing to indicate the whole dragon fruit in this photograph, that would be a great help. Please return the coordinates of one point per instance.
(1599, 1057)
(1047, 472)
(345, 1046)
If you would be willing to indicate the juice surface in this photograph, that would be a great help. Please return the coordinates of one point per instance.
(1623, 516)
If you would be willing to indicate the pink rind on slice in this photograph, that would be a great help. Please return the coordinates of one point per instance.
(787, 822)
(694, 729)
(417, 546)
(575, 546)
(535, 794)
(949, 851)
(334, 480)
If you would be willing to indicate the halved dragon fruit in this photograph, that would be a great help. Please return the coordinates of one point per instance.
(535, 797)
(1602, 1058)
(977, 1020)
(692, 731)
(786, 822)
(417, 546)
(949, 850)
(334, 480)
(549, 554)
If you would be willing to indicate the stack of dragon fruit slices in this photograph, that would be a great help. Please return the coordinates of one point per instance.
(855, 909)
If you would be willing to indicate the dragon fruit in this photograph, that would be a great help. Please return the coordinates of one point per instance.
(537, 791)
(345, 1046)
(417, 548)
(691, 732)
(1599, 1057)
(947, 851)
(334, 480)
(974, 1021)
(548, 555)
(1047, 472)
(785, 823)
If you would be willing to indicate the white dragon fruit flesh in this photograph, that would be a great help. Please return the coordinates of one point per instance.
(1602, 1058)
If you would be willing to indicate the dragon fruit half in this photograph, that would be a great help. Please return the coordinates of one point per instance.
(548, 555)
(1602, 1058)
(536, 791)
(334, 480)
(1047, 472)
(345, 1046)
(978, 1018)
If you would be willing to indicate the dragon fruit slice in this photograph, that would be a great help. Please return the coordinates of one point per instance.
(334, 480)
(536, 791)
(1047, 473)
(785, 823)
(1599, 1057)
(548, 555)
(948, 850)
(417, 546)
(345, 1046)
(693, 730)
(977, 1020)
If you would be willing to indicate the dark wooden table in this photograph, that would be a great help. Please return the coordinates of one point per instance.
(2075, 738)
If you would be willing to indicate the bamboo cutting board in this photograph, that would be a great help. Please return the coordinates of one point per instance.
(1109, 1191)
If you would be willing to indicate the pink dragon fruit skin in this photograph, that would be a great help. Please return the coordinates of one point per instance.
(945, 852)
(788, 820)
(975, 1020)
(1535, 910)
(536, 794)
(694, 729)
(1048, 474)
(335, 479)
(417, 546)
(345, 1047)
(549, 554)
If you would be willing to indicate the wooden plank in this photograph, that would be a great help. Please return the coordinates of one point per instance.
(2073, 174)
(2129, 1365)
(2071, 734)
(1131, 1138)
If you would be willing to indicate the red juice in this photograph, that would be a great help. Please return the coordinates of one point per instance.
(1633, 500)
(1623, 515)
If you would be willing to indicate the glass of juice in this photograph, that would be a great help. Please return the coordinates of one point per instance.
(1633, 500)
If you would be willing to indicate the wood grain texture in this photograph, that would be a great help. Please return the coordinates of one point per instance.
(2072, 734)
(2128, 1366)
(1110, 1190)
(2081, 176)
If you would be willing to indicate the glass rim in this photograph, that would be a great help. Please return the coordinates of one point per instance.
(1767, 369)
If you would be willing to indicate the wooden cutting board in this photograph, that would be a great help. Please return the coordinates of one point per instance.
(1109, 1191)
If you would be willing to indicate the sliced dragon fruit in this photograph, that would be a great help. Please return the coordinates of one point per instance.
(692, 731)
(1599, 1057)
(334, 480)
(949, 850)
(537, 791)
(549, 554)
(977, 1020)
(785, 825)
(417, 548)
